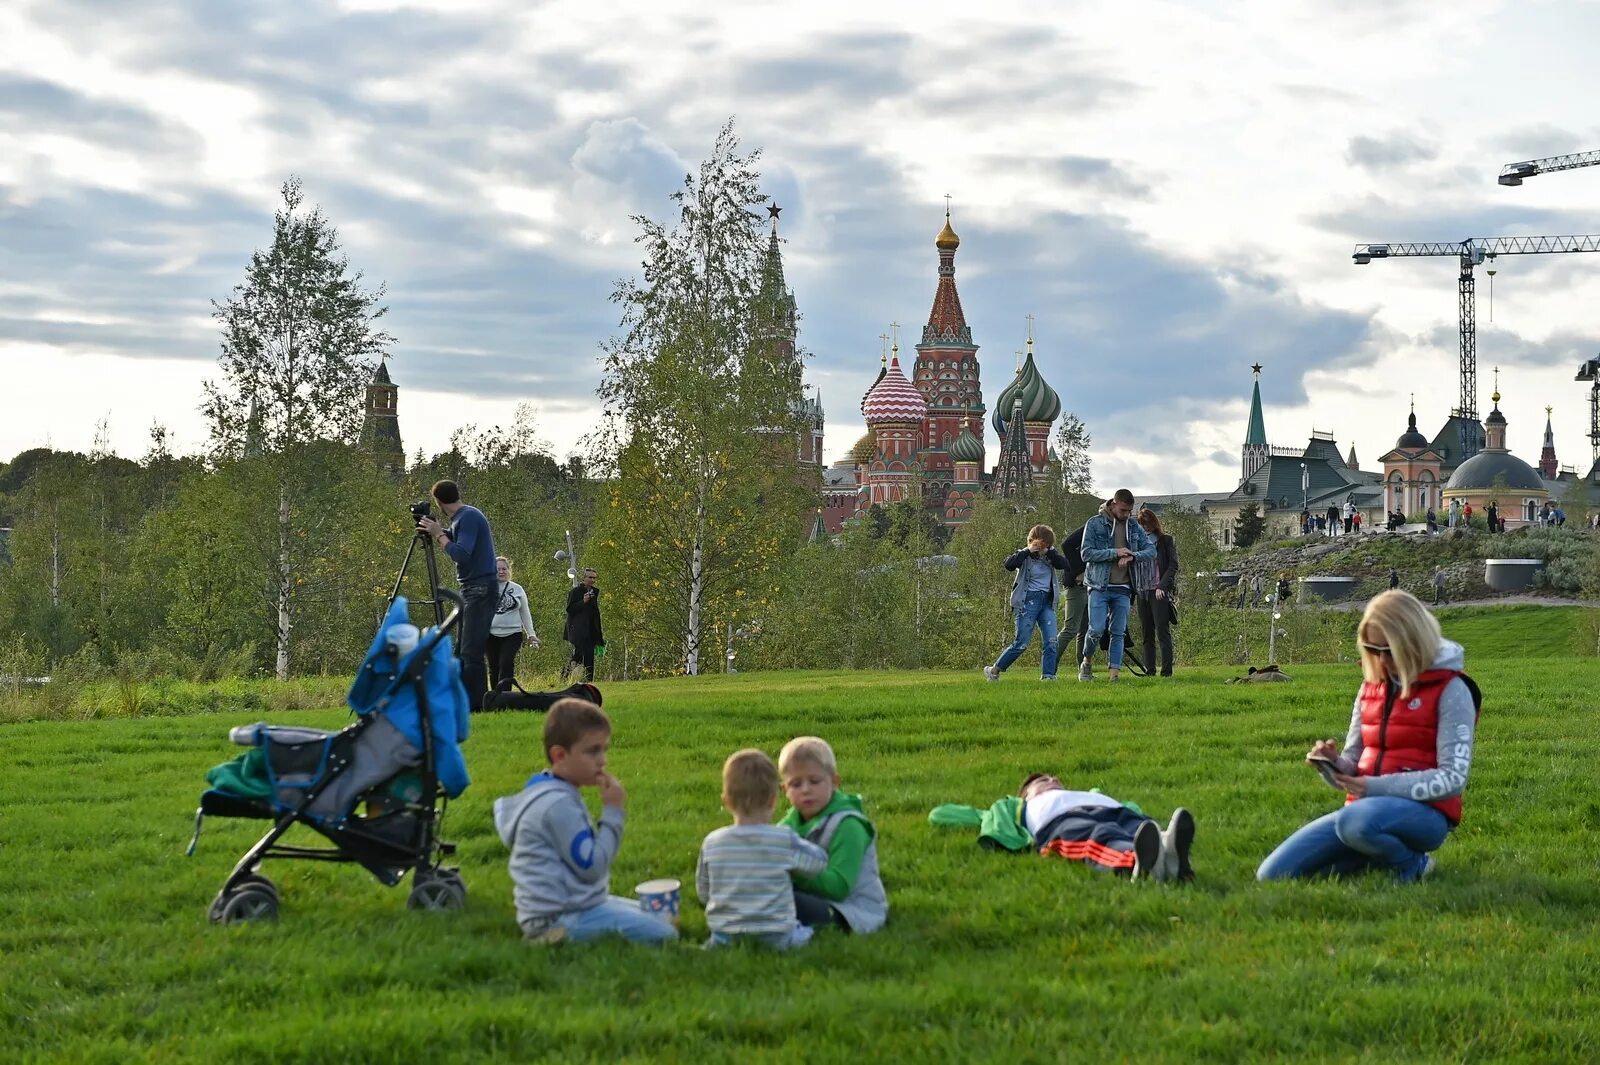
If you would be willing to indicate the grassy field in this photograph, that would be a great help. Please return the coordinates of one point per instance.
(109, 958)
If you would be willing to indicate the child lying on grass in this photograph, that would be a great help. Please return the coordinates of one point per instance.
(1082, 826)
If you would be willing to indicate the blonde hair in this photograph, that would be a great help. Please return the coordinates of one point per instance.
(1411, 632)
(749, 781)
(507, 561)
(811, 749)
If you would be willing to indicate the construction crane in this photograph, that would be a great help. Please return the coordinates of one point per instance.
(1470, 254)
(1513, 173)
(1589, 370)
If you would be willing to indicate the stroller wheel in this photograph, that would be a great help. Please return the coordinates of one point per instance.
(442, 890)
(252, 902)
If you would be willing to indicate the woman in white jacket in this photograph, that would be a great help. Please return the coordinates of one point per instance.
(512, 620)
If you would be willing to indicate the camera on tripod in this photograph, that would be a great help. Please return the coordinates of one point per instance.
(422, 508)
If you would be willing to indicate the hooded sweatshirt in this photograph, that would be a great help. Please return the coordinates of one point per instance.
(1458, 719)
(851, 880)
(560, 859)
(1102, 535)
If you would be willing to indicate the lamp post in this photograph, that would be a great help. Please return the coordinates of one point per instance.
(1305, 487)
(569, 555)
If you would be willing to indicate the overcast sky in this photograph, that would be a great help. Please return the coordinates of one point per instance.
(1172, 190)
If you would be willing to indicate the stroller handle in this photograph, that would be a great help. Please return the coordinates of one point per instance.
(457, 605)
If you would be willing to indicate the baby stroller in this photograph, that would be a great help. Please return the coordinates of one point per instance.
(376, 789)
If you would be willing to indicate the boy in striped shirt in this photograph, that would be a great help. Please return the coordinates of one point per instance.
(743, 873)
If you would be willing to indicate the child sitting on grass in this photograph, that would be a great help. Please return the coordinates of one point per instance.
(560, 859)
(848, 893)
(743, 873)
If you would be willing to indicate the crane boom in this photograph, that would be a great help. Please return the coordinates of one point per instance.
(1470, 254)
(1513, 173)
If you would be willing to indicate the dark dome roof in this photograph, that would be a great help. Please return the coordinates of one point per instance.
(966, 447)
(1482, 470)
(1411, 440)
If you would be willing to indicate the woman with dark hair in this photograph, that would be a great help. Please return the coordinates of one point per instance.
(1156, 597)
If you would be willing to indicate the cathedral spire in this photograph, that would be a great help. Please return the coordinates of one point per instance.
(1547, 458)
(1255, 451)
(947, 325)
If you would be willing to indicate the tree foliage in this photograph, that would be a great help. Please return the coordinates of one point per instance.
(700, 424)
(1248, 526)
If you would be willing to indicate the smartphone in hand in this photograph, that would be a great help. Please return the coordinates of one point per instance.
(1327, 767)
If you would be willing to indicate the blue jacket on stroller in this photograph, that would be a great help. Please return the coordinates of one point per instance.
(376, 689)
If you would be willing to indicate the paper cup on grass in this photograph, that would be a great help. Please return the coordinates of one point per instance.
(660, 898)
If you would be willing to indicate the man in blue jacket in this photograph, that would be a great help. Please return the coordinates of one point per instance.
(468, 542)
(1111, 543)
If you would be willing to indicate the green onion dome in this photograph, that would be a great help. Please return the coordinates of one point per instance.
(1039, 401)
(966, 447)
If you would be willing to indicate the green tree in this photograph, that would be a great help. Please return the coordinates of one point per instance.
(700, 418)
(1073, 441)
(1249, 526)
(299, 337)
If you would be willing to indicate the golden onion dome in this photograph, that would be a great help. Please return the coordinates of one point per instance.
(861, 453)
(947, 239)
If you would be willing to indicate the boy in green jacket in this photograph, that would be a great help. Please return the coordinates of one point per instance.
(849, 892)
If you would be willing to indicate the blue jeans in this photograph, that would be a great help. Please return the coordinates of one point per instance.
(616, 916)
(1115, 600)
(1038, 610)
(798, 936)
(1378, 832)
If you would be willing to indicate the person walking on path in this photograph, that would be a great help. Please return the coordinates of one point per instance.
(1494, 516)
(512, 622)
(1111, 545)
(1033, 601)
(1405, 758)
(583, 630)
(1455, 512)
(1333, 519)
(1075, 616)
(1157, 603)
(1433, 521)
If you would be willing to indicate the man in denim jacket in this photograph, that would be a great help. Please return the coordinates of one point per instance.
(1111, 544)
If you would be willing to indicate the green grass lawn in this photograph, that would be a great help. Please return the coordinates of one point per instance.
(108, 956)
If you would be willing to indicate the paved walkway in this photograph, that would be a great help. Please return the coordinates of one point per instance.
(1499, 600)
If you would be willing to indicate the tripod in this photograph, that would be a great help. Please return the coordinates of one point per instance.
(432, 562)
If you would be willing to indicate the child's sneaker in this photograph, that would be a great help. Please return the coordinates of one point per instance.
(1084, 672)
(1051, 676)
(549, 937)
(1176, 842)
(990, 673)
(1146, 851)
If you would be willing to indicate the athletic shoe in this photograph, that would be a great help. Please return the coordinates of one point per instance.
(1050, 677)
(1427, 867)
(1084, 672)
(990, 673)
(1146, 851)
(549, 937)
(1176, 842)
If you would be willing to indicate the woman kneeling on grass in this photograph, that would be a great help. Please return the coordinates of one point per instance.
(1405, 758)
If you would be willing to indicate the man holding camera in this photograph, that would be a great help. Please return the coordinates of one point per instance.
(583, 626)
(468, 542)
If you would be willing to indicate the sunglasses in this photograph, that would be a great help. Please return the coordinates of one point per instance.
(1377, 649)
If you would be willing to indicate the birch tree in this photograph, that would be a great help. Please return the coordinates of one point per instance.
(700, 420)
(299, 340)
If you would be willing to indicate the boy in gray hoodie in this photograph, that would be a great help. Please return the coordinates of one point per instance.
(560, 859)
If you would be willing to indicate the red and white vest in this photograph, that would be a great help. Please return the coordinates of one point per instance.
(1407, 739)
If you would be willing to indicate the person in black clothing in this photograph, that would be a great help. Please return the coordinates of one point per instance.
(1284, 589)
(583, 624)
(1156, 603)
(1494, 518)
(470, 545)
(1394, 577)
(1075, 619)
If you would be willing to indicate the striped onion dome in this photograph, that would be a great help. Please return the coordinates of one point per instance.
(966, 447)
(894, 399)
(1039, 401)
